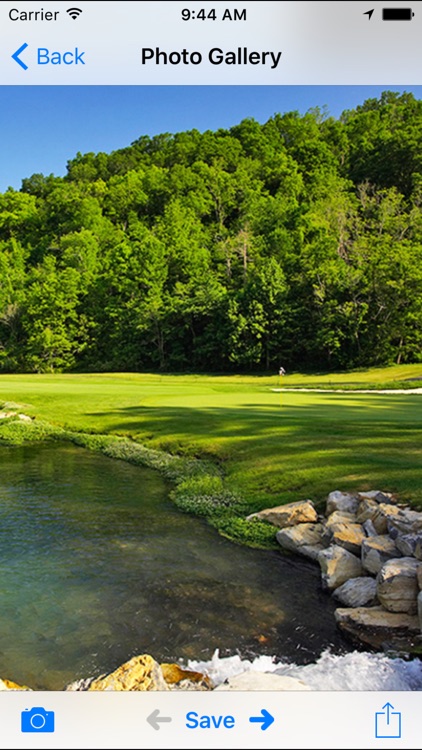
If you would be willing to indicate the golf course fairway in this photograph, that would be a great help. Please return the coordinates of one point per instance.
(267, 446)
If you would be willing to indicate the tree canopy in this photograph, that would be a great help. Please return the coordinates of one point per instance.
(297, 241)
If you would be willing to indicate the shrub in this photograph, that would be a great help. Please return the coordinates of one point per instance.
(254, 533)
(203, 495)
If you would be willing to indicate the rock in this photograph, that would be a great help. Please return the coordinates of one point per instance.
(348, 535)
(174, 675)
(374, 626)
(418, 551)
(339, 517)
(24, 418)
(397, 585)
(337, 566)
(405, 520)
(366, 510)
(187, 684)
(392, 532)
(419, 600)
(419, 576)
(79, 685)
(304, 539)
(334, 520)
(382, 515)
(357, 592)
(376, 550)
(288, 515)
(145, 674)
(140, 673)
(377, 495)
(407, 543)
(9, 685)
(252, 680)
(342, 501)
(369, 528)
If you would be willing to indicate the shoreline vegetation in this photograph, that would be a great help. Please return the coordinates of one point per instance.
(231, 446)
(197, 485)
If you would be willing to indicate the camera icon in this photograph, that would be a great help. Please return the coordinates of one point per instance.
(37, 720)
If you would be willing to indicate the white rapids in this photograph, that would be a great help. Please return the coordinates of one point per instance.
(352, 671)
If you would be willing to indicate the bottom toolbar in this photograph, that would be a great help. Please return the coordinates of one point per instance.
(300, 719)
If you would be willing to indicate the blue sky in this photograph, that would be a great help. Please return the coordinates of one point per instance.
(42, 127)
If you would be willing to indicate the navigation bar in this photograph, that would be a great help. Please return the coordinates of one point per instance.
(263, 43)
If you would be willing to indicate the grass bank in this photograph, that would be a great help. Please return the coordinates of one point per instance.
(231, 444)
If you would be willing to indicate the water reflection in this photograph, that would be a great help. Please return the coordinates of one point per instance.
(96, 565)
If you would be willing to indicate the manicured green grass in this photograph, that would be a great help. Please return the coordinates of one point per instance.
(396, 376)
(268, 447)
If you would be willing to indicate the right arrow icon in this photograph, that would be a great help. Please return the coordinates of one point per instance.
(265, 719)
(369, 13)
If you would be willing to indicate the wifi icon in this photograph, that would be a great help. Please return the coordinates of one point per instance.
(74, 13)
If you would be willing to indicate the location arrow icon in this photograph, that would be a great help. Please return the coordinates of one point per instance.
(16, 57)
(369, 13)
(265, 719)
(155, 719)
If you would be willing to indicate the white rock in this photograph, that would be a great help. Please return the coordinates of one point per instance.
(288, 515)
(397, 585)
(377, 495)
(366, 510)
(374, 625)
(406, 521)
(337, 566)
(342, 501)
(304, 539)
(357, 592)
(383, 514)
(340, 517)
(376, 550)
(407, 543)
(348, 535)
(369, 528)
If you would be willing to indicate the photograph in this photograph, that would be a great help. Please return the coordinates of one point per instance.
(210, 388)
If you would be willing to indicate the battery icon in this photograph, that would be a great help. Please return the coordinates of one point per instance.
(397, 14)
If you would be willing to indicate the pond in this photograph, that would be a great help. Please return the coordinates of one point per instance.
(97, 565)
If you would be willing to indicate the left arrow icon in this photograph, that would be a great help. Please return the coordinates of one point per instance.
(155, 719)
(17, 59)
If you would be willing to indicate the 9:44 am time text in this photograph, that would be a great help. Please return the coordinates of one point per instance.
(234, 14)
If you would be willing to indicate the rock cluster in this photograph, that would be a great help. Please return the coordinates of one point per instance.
(369, 549)
(143, 673)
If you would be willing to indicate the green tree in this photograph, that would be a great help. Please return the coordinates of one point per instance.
(49, 319)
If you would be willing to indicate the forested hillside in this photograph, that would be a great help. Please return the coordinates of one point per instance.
(296, 242)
